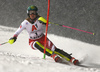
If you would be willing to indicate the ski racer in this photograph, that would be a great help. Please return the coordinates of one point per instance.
(34, 26)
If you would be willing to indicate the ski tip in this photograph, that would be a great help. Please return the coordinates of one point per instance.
(82, 66)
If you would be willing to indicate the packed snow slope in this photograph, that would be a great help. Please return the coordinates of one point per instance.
(19, 57)
(81, 14)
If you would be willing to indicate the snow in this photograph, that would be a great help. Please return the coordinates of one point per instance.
(19, 57)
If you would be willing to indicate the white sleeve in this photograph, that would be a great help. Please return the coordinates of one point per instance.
(20, 29)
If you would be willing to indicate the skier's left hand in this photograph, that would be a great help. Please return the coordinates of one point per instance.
(42, 20)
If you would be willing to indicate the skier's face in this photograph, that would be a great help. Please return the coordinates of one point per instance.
(32, 14)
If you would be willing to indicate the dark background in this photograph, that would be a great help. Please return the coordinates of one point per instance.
(81, 14)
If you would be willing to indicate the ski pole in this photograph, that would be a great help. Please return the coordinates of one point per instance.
(3, 43)
(72, 28)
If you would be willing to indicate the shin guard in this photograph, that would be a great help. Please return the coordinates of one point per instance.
(40, 47)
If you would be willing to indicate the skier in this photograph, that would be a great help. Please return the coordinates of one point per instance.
(34, 26)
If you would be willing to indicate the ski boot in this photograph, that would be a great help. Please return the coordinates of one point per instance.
(74, 61)
(56, 58)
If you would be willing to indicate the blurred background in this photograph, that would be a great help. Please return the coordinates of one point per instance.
(81, 14)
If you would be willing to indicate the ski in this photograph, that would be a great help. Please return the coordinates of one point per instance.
(80, 65)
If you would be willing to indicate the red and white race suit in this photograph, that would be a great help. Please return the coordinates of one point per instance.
(35, 32)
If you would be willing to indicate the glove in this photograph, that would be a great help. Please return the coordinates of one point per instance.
(42, 20)
(12, 40)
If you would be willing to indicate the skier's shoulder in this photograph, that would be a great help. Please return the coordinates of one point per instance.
(27, 19)
(24, 22)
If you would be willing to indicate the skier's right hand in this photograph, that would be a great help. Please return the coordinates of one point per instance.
(12, 40)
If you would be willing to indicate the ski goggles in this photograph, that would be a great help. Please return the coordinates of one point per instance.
(32, 12)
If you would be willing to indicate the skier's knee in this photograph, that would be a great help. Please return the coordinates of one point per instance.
(32, 45)
(40, 47)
